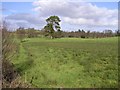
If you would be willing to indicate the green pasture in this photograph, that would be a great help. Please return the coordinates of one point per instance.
(68, 62)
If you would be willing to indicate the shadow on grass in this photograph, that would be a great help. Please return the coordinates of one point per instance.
(25, 65)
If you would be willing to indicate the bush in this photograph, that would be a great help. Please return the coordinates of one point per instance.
(82, 36)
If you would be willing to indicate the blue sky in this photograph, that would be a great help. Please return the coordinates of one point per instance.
(17, 7)
(23, 7)
(109, 5)
(33, 14)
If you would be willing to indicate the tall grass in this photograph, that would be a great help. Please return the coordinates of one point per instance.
(10, 76)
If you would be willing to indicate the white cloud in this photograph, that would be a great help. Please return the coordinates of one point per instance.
(80, 13)
(73, 14)
(24, 20)
(33, 19)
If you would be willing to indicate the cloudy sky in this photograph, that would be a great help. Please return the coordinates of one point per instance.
(74, 15)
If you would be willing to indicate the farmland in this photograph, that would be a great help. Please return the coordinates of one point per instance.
(68, 62)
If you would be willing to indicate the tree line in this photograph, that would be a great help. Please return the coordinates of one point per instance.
(53, 30)
(31, 32)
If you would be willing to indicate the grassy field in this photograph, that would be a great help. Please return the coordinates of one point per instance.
(68, 62)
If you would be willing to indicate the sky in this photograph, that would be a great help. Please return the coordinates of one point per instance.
(74, 15)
